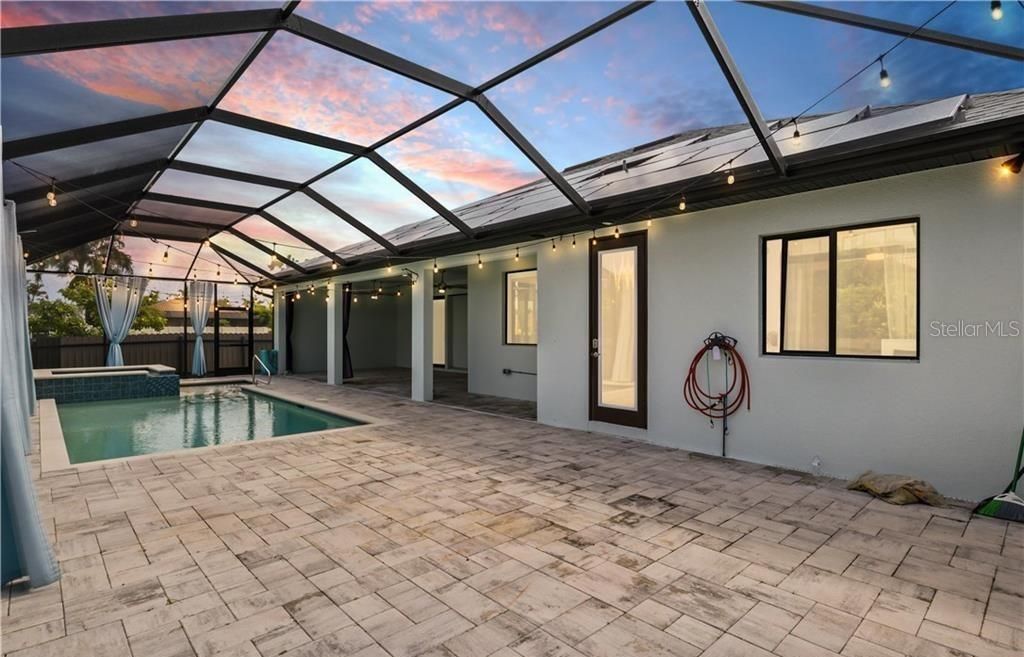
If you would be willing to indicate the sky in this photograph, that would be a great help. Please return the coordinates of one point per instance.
(644, 78)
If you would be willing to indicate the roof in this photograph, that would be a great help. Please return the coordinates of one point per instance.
(287, 142)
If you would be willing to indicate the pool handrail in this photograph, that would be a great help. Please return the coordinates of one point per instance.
(255, 380)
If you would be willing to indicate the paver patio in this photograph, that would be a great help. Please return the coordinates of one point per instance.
(450, 533)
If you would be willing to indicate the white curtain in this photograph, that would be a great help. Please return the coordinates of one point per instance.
(200, 296)
(28, 553)
(117, 300)
(900, 266)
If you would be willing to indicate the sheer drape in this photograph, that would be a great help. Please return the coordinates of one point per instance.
(200, 296)
(807, 299)
(901, 283)
(31, 554)
(117, 302)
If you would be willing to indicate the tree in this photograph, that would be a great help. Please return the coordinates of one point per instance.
(57, 318)
(263, 314)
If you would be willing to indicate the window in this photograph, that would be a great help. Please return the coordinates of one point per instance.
(842, 292)
(521, 307)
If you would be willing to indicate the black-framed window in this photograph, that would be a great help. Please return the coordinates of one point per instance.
(521, 307)
(849, 291)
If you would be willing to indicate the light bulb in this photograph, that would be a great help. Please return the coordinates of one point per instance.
(682, 203)
(441, 290)
(389, 266)
(206, 242)
(574, 241)
(334, 265)
(997, 10)
(650, 222)
(517, 254)
(133, 222)
(380, 289)
(553, 245)
(398, 293)
(236, 280)
(796, 136)
(373, 297)
(298, 295)
(218, 271)
(616, 232)
(730, 178)
(479, 262)
(50, 195)
(355, 299)
(327, 298)
(52, 202)
(435, 266)
(167, 255)
(151, 270)
(883, 75)
(25, 255)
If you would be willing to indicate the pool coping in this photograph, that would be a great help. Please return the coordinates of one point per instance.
(53, 451)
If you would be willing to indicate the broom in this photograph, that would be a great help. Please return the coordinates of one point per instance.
(1008, 505)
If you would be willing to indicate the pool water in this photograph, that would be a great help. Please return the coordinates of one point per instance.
(199, 417)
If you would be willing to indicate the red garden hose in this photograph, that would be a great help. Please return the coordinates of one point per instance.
(718, 405)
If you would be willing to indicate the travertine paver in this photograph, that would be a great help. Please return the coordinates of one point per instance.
(448, 533)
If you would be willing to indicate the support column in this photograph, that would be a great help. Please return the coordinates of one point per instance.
(280, 329)
(333, 334)
(423, 334)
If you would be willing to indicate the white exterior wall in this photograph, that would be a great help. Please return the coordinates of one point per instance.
(488, 353)
(953, 418)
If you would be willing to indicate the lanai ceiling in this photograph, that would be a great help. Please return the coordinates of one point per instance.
(324, 135)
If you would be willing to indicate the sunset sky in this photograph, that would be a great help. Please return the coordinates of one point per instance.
(647, 77)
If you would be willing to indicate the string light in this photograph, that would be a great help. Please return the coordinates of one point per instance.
(373, 297)
(298, 295)
(389, 265)
(616, 232)
(334, 266)
(574, 241)
(554, 247)
(682, 203)
(594, 241)
(273, 257)
(380, 288)
(730, 178)
(435, 265)
(997, 10)
(650, 222)
(25, 255)
(236, 279)
(51, 196)
(167, 255)
(355, 299)
(796, 133)
(398, 293)
(883, 75)
(206, 242)
(479, 262)
(218, 270)
(150, 273)
(133, 222)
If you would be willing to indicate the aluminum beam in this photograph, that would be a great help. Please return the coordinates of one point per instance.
(355, 223)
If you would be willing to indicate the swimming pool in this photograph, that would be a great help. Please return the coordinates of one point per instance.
(198, 417)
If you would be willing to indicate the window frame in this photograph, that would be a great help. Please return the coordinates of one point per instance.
(832, 235)
(504, 308)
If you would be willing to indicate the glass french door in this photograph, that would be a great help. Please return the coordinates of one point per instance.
(618, 330)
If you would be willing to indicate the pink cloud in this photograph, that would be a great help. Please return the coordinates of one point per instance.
(169, 75)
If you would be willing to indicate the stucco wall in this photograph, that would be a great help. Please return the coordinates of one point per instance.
(488, 355)
(953, 418)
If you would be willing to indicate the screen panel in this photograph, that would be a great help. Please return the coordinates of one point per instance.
(460, 157)
(237, 149)
(365, 191)
(211, 188)
(470, 41)
(301, 84)
(621, 88)
(65, 90)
